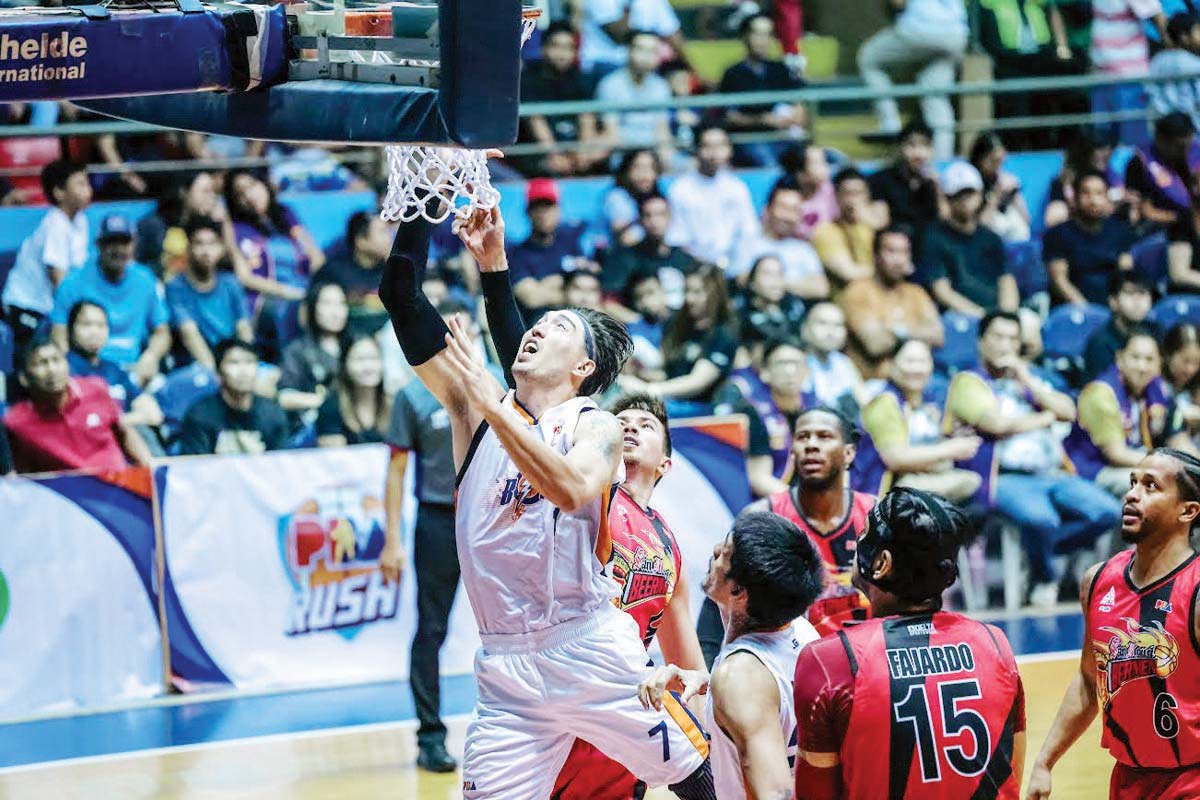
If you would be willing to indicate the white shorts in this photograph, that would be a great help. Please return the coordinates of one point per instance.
(539, 692)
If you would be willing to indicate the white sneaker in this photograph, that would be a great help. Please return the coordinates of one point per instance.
(1044, 595)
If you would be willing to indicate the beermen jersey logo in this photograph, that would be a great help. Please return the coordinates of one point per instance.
(1139, 651)
(645, 575)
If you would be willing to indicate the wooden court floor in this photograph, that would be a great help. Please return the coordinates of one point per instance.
(377, 762)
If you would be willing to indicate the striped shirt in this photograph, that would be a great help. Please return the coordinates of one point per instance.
(1119, 45)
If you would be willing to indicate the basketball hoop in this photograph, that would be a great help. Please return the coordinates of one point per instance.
(426, 181)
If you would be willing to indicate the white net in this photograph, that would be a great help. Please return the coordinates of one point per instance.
(425, 181)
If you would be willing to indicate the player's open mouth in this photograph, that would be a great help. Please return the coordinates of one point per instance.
(630, 441)
(528, 349)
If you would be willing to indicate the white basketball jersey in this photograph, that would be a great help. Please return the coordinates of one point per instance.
(778, 651)
(527, 565)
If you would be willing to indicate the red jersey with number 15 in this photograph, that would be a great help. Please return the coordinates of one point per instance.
(1147, 663)
(923, 706)
(840, 602)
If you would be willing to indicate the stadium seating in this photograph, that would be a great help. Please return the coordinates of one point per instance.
(1174, 309)
(960, 349)
(1065, 334)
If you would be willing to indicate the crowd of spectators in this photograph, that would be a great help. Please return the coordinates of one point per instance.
(215, 324)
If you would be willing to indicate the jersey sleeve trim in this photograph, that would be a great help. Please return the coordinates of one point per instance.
(1095, 580)
(849, 653)
(475, 440)
(1192, 619)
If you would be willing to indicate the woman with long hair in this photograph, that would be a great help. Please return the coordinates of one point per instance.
(1004, 208)
(764, 308)
(310, 362)
(358, 410)
(698, 344)
(1181, 373)
(636, 179)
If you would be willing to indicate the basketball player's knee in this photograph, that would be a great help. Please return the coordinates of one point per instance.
(697, 786)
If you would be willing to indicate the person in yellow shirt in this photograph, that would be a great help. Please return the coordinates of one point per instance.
(845, 245)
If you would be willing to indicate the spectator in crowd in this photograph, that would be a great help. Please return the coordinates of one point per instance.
(649, 302)
(758, 72)
(1122, 413)
(539, 264)
(807, 166)
(776, 236)
(67, 423)
(1129, 299)
(139, 334)
(206, 304)
(312, 168)
(1119, 49)
(907, 191)
(638, 82)
(772, 397)
(698, 345)
(557, 78)
(87, 333)
(887, 309)
(962, 262)
(711, 209)
(1071, 24)
(904, 445)
(650, 256)
(310, 362)
(684, 119)
(235, 419)
(357, 411)
(636, 179)
(1004, 208)
(610, 26)
(279, 255)
(1181, 357)
(581, 289)
(161, 237)
(1181, 95)
(844, 244)
(1160, 173)
(1183, 251)
(765, 308)
(1014, 412)
(833, 378)
(58, 245)
(357, 271)
(1082, 253)
(1089, 152)
(929, 36)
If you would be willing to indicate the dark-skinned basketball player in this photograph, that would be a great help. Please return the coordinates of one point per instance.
(1140, 663)
(916, 702)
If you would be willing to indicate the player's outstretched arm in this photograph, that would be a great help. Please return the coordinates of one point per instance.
(677, 632)
(568, 481)
(482, 233)
(1078, 709)
(745, 699)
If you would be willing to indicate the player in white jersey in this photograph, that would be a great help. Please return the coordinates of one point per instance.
(536, 469)
(762, 576)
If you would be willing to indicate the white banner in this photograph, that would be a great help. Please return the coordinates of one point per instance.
(79, 627)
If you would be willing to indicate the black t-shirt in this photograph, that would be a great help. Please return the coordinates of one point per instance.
(330, 422)
(211, 426)
(624, 264)
(758, 76)
(361, 284)
(912, 201)
(1101, 350)
(1187, 230)
(973, 263)
(1090, 255)
(757, 325)
(539, 83)
(717, 345)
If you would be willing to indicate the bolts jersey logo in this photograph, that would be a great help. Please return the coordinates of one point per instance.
(330, 548)
(1139, 651)
(519, 493)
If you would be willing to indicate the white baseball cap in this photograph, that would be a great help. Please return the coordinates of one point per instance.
(960, 177)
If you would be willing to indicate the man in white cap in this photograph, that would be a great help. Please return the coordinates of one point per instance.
(962, 262)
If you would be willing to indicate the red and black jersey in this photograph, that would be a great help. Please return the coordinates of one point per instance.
(840, 602)
(924, 706)
(1147, 663)
(645, 561)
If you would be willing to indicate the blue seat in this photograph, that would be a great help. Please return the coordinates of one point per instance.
(1025, 265)
(7, 349)
(1065, 334)
(1174, 309)
(180, 390)
(960, 350)
(1150, 260)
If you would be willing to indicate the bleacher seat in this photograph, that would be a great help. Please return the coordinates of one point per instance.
(1066, 331)
(1026, 266)
(960, 349)
(179, 390)
(1174, 309)
(1150, 260)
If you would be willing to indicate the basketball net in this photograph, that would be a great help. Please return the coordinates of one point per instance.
(425, 181)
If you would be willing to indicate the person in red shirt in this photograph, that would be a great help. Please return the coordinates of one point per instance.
(915, 702)
(654, 591)
(1140, 663)
(833, 516)
(67, 423)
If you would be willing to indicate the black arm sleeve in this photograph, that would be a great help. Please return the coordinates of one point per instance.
(505, 322)
(419, 328)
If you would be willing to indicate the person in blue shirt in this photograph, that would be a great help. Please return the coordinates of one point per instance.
(87, 333)
(131, 296)
(206, 304)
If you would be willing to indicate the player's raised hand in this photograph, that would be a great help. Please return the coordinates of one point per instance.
(1039, 783)
(688, 682)
(482, 233)
(466, 361)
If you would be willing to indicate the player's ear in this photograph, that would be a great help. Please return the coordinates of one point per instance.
(850, 451)
(584, 369)
(882, 566)
(1189, 512)
(664, 467)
